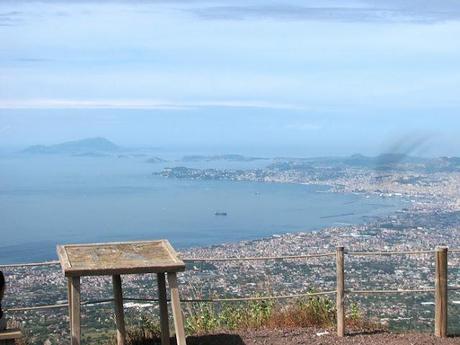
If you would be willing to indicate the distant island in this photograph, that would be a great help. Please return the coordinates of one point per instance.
(85, 147)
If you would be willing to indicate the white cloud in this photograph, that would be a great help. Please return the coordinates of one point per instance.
(139, 104)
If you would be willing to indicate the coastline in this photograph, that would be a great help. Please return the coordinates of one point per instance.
(376, 234)
(402, 231)
(242, 223)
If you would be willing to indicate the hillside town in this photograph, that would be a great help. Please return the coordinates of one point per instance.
(431, 218)
(403, 231)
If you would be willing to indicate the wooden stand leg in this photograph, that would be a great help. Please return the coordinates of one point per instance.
(69, 299)
(75, 330)
(164, 319)
(176, 309)
(119, 312)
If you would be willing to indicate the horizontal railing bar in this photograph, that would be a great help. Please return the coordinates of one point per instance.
(57, 306)
(359, 292)
(252, 258)
(209, 300)
(414, 252)
(259, 258)
(235, 299)
(263, 298)
(32, 264)
(38, 307)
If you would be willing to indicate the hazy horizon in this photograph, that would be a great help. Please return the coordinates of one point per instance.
(308, 78)
(404, 147)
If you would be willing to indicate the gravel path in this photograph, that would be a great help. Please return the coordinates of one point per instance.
(312, 337)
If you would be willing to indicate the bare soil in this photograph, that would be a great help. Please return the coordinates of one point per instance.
(318, 337)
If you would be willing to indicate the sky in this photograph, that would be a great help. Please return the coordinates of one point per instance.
(328, 77)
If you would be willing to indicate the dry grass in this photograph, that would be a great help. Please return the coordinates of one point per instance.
(210, 318)
(309, 312)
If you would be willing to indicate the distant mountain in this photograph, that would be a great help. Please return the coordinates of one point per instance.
(155, 160)
(84, 147)
(382, 162)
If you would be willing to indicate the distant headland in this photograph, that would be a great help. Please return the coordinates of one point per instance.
(88, 146)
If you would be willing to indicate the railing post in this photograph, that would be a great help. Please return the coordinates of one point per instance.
(340, 295)
(119, 311)
(440, 328)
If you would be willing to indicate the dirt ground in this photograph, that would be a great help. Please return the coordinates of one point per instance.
(317, 337)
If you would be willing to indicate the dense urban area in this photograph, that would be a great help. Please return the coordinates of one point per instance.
(430, 218)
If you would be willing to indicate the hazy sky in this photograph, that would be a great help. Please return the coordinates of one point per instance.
(310, 77)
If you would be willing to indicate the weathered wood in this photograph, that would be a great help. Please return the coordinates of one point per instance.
(441, 292)
(75, 330)
(119, 258)
(119, 311)
(176, 309)
(164, 318)
(115, 259)
(69, 299)
(340, 297)
(10, 334)
(63, 258)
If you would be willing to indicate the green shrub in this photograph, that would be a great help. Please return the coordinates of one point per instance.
(211, 317)
(208, 318)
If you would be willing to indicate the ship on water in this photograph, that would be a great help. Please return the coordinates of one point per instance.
(220, 213)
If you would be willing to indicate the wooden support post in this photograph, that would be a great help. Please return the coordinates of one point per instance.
(75, 330)
(340, 295)
(176, 309)
(164, 318)
(441, 293)
(69, 299)
(119, 311)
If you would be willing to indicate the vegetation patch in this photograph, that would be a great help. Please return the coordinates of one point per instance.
(213, 318)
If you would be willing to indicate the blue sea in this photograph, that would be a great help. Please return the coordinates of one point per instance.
(47, 200)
